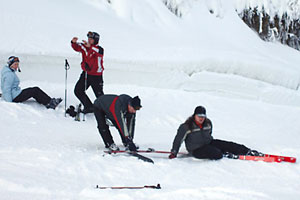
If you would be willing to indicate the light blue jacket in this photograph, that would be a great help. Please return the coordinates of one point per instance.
(9, 84)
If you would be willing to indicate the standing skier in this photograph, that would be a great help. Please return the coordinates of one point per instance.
(196, 131)
(121, 111)
(92, 66)
(13, 93)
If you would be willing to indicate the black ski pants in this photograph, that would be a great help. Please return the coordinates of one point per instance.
(34, 92)
(103, 127)
(217, 148)
(97, 85)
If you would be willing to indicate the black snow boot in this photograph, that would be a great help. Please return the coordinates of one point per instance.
(254, 153)
(88, 110)
(230, 155)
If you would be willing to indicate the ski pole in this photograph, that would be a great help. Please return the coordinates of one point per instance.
(67, 67)
(126, 187)
(85, 86)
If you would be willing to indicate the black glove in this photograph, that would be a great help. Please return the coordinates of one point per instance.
(131, 145)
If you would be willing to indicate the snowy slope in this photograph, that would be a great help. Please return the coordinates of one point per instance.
(135, 30)
(248, 86)
(46, 156)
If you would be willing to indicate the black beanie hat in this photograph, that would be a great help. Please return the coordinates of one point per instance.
(200, 111)
(136, 103)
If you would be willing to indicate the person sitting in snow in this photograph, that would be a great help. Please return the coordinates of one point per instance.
(92, 66)
(196, 131)
(11, 92)
(121, 111)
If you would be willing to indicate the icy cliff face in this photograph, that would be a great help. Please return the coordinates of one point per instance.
(273, 20)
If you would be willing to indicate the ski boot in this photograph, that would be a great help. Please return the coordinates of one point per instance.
(54, 102)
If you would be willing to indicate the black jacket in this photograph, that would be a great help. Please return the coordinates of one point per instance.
(116, 110)
(194, 138)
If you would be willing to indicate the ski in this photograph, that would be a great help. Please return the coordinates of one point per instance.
(78, 111)
(141, 157)
(260, 158)
(130, 187)
(149, 150)
(134, 154)
(283, 158)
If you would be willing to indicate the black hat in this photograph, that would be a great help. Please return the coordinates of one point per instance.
(200, 111)
(135, 103)
(94, 35)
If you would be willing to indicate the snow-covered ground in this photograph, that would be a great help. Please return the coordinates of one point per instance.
(249, 87)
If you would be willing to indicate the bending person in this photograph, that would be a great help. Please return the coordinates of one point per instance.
(196, 132)
(121, 111)
(11, 92)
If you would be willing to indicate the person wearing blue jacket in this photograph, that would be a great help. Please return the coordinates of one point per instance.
(11, 91)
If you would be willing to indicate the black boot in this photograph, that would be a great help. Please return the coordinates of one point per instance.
(230, 155)
(54, 102)
(254, 153)
(88, 110)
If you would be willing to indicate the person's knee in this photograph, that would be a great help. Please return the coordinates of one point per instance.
(78, 92)
(208, 153)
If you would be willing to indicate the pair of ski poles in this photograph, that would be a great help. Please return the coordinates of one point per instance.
(67, 67)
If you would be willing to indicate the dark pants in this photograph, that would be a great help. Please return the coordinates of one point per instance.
(103, 127)
(34, 92)
(217, 148)
(97, 85)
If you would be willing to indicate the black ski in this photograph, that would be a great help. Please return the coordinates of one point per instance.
(134, 154)
(139, 156)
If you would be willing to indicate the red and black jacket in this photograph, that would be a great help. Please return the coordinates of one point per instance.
(92, 58)
(116, 109)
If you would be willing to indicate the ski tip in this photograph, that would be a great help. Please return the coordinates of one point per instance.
(158, 186)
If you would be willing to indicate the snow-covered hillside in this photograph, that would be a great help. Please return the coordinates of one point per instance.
(146, 30)
(249, 87)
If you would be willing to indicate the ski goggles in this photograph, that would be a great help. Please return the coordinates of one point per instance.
(14, 59)
(201, 115)
(90, 34)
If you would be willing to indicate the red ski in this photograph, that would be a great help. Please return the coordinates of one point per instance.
(283, 158)
(261, 158)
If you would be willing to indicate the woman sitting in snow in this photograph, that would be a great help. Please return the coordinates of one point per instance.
(11, 92)
(196, 132)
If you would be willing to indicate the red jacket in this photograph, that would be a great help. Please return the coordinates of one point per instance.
(92, 58)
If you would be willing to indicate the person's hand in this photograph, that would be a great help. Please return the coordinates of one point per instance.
(172, 156)
(74, 40)
(86, 43)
